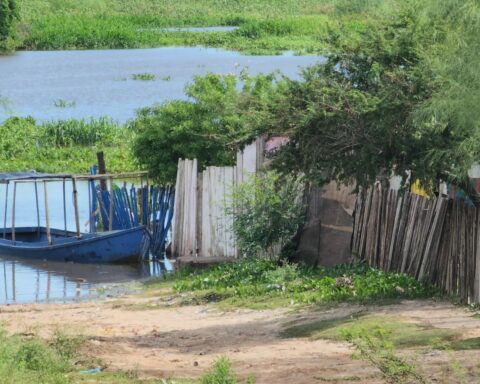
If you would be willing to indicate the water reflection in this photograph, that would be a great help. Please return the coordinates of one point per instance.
(32, 281)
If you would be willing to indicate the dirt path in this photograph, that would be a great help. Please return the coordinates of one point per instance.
(183, 341)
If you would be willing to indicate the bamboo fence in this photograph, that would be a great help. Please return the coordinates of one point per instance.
(431, 239)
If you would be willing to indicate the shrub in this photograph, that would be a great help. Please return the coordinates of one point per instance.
(9, 17)
(268, 211)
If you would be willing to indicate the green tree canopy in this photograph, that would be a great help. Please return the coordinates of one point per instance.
(403, 98)
(9, 16)
(211, 125)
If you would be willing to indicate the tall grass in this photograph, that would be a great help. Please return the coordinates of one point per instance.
(63, 146)
(65, 133)
(265, 26)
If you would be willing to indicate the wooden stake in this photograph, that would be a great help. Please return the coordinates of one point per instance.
(102, 170)
(75, 206)
(13, 211)
(47, 219)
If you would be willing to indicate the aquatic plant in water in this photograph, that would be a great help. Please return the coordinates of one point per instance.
(61, 103)
(143, 76)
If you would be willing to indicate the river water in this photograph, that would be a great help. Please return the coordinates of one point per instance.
(24, 281)
(94, 83)
(56, 85)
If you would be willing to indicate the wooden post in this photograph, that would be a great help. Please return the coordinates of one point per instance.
(47, 220)
(110, 214)
(102, 170)
(5, 212)
(37, 206)
(13, 211)
(75, 206)
(477, 262)
(65, 208)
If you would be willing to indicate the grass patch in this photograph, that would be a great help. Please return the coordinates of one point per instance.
(31, 360)
(257, 283)
(265, 26)
(401, 334)
(64, 146)
(465, 344)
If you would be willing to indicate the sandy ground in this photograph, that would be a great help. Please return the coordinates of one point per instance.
(184, 341)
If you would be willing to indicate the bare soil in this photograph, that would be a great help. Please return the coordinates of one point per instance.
(182, 342)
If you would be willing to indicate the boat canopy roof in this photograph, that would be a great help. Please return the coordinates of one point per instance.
(5, 178)
(32, 175)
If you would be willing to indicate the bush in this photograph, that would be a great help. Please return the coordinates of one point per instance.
(9, 17)
(268, 211)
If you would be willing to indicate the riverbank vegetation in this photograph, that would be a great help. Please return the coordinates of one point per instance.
(261, 283)
(9, 17)
(399, 95)
(63, 146)
(264, 26)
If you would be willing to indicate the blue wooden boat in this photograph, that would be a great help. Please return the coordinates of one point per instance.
(124, 245)
(45, 243)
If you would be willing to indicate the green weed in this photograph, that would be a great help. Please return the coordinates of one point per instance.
(24, 360)
(144, 76)
(401, 334)
(222, 373)
(264, 283)
(375, 348)
(61, 103)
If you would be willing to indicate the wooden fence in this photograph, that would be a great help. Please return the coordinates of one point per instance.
(201, 226)
(434, 239)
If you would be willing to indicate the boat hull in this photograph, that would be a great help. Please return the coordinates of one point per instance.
(120, 246)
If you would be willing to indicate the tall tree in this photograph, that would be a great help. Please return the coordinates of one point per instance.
(9, 16)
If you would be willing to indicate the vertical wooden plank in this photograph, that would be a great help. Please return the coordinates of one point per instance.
(396, 260)
(431, 252)
(395, 230)
(411, 218)
(199, 216)
(476, 288)
(206, 214)
(176, 228)
(366, 217)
